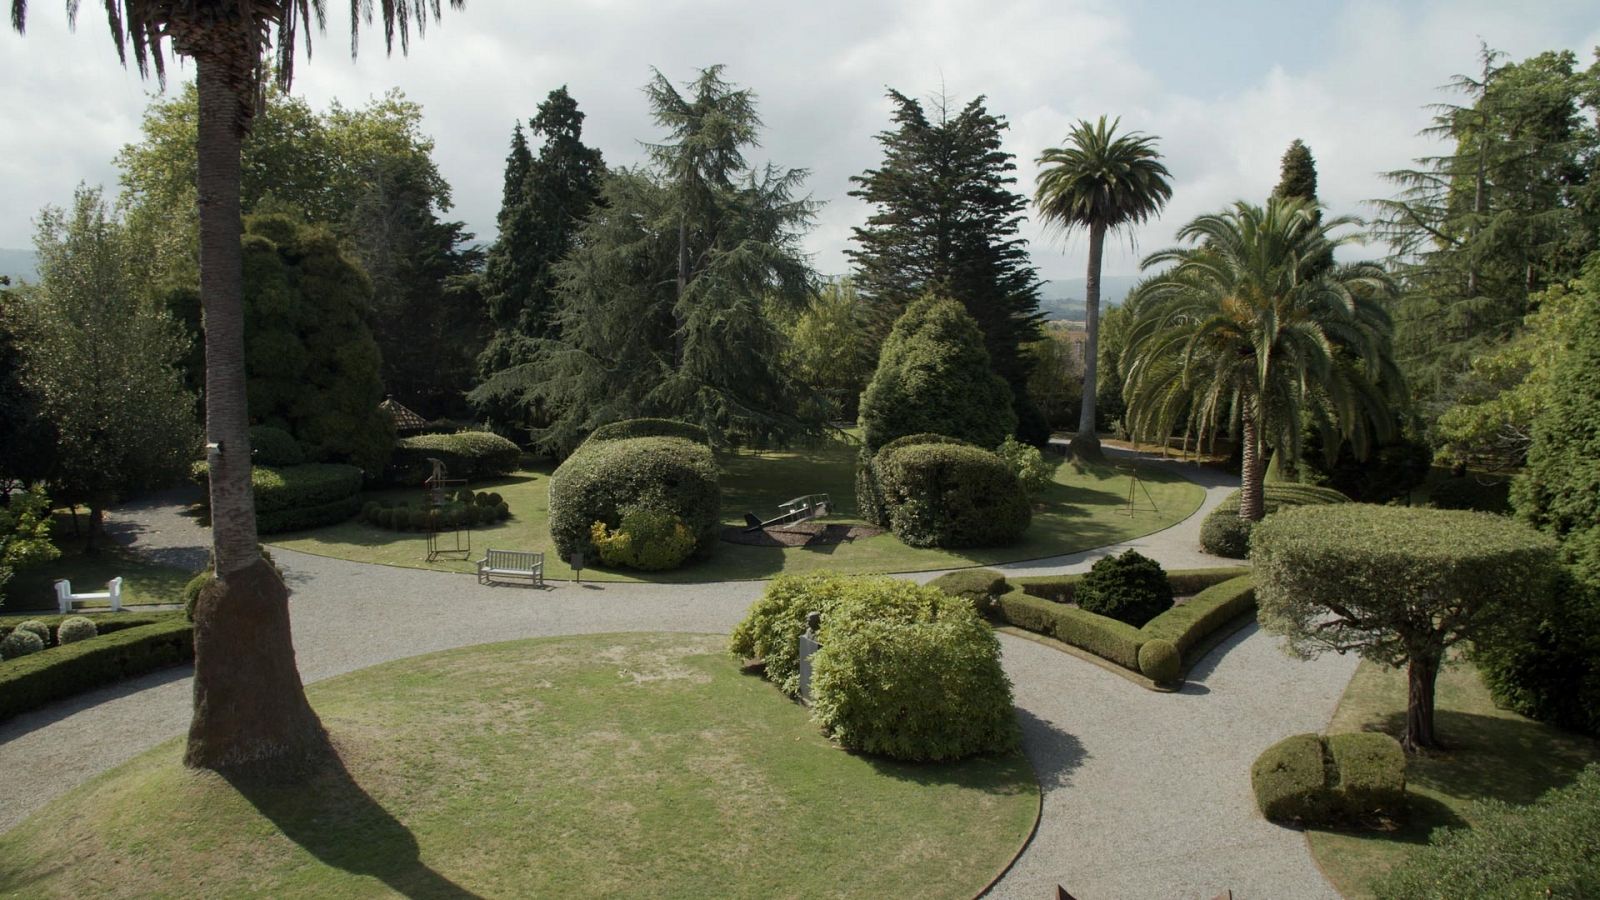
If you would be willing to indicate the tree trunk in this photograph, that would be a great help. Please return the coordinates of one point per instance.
(1086, 443)
(1420, 676)
(97, 519)
(250, 709)
(1252, 490)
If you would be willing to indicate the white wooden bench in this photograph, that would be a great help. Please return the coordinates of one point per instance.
(65, 597)
(511, 564)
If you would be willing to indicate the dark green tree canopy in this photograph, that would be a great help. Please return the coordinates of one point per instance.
(934, 376)
(1298, 174)
(945, 220)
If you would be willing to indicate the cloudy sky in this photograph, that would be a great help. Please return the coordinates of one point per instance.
(1225, 84)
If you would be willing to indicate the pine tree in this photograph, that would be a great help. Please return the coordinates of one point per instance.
(1297, 180)
(945, 221)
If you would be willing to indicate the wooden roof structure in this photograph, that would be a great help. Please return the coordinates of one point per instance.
(405, 421)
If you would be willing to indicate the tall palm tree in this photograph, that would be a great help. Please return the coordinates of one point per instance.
(250, 709)
(1100, 182)
(1249, 326)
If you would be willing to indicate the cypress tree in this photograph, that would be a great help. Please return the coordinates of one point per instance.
(1297, 180)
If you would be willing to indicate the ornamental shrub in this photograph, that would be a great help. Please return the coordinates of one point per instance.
(952, 496)
(20, 643)
(1159, 661)
(1546, 849)
(467, 454)
(1545, 661)
(125, 648)
(191, 592)
(666, 474)
(37, 627)
(1290, 781)
(934, 375)
(1027, 463)
(275, 447)
(305, 496)
(1130, 588)
(648, 539)
(979, 587)
(775, 622)
(1313, 780)
(74, 629)
(633, 428)
(1223, 533)
(1372, 775)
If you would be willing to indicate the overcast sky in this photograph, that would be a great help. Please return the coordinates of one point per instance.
(1226, 85)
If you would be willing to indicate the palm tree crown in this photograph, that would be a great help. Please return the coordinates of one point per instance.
(1247, 326)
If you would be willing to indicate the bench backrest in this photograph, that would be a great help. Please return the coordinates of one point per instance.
(513, 559)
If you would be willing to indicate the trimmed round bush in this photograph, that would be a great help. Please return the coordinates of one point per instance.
(468, 454)
(1027, 463)
(952, 496)
(1130, 588)
(1159, 661)
(20, 643)
(305, 496)
(36, 627)
(275, 447)
(1223, 533)
(75, 629)
(870, 504)
(191, 592)
(666, 474)
(1312, 779)
(1372, 775)
(636, 428)
(1290, 781)
(649, 540)
(979, 587)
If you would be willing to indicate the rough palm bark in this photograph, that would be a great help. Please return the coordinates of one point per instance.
(1252, 499)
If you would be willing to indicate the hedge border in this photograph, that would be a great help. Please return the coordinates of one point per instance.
(33, 681)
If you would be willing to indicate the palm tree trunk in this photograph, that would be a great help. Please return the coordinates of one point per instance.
(1086, 443)
(250, 709)
(1252, 498)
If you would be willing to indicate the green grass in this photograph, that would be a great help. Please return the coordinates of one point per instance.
(1490, 754)
(597, 766)
(143, 583)
(1082, 509)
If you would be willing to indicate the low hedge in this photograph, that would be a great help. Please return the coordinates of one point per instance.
(952, 496)
(601, 481)
(637, 428)
(291, 498)
(1105, 638)
(466, 454)
(1189, 623)
(117, 653)
(108, 623)
(467, 510)
(1315, 780)
(980, 587)
(1223, 533)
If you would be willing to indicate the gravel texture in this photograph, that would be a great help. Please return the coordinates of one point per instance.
(1146, 794)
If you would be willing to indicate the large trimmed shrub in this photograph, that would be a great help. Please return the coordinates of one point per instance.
(952, 496)
(633, 428)
(1130, 588)
(275, 447)
(1545, 662)
(869, 492)
(1223, 533)
(467, 454)
(1290, 781)
(601, 481)
(1546, 849)
(979, 587)
(934, 375)
(1309, 779)
(305, 496)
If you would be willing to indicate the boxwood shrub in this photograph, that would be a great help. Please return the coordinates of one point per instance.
(869, 491)
(952, 496)
(20, 643)
(1130, 588)
(980, 587)
(636, 428)
(1311, 779)
(601, 481)
(306, 496)
(1545, 661)
(117, 653)
(1160, 661)
(1223, 533)
(467, 454)
(275, 447)
(75, 629)
(476, 510)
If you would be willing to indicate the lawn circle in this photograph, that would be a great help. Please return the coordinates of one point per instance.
(575, 766)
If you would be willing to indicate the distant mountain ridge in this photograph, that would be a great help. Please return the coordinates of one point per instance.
(20, 265)
(1063, 298)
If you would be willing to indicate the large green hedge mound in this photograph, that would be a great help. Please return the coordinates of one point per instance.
(950, 495)
(1223, 533)
(633, 428)
(1548, 849)
(905, 671)
(295, 497)
(934, 375)
(275, 447)
(123, 649)
(468, 454)
(1545, 661)
(1309, 779)
(602, 481)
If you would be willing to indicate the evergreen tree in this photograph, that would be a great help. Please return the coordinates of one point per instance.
(663, 300)
(945, 221)
(543, 204)
(1297, 180)
(27, 438)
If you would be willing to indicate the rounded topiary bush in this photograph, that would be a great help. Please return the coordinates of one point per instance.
(979, 587)
(601, 481)
(1372, 775)
(38, 628)
(634, 428)
(20, 643)
(1311, 779)
(1290, 781)
(1130, 588)
(950, 495)
(1223, 533)
(1159, 661)
(275, 447)
(191, 592)
(75, 629)
(648, 539)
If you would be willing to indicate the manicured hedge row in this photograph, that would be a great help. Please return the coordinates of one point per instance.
(601, 481)
(468, 454)
(1189, 624)
(1310, 779)
(105, 624)
(33, 681)
(635, 428)
(1185, 582)
(1105, 638)
(295, 497)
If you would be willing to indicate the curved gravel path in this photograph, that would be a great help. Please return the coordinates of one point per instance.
(1146, 794)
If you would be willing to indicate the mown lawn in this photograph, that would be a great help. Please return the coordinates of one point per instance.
(1083, 509)
(1491, 754)
(143, 583)
(595, 766)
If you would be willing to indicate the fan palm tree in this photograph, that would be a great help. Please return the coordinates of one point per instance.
(250, 710)
(1249, 326)
(1101, 182)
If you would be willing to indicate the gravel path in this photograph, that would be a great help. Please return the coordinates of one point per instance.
(1146, 794)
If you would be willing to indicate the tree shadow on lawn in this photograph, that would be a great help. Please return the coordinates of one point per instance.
(334, 819)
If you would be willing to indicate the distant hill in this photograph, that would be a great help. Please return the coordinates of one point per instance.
(21, 265)
(1063, 298)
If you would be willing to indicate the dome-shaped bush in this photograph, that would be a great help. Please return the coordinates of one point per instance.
(38, 628)
(75, 629)
(20, 643)
(1159, 661)
(275, 447)
(191, 592)
(637, 428)
(1130, 588)
(951, 495)
(601, 480)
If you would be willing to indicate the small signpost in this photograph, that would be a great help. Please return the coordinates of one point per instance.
(577, 567)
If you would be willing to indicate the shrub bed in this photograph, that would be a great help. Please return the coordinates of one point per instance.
(467, 454)
(602, 481)
(296, 497)
(1309, 779)
(951, 496)
(467, 509)
(33, 681)
(1130, 588)
(1223, 533)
